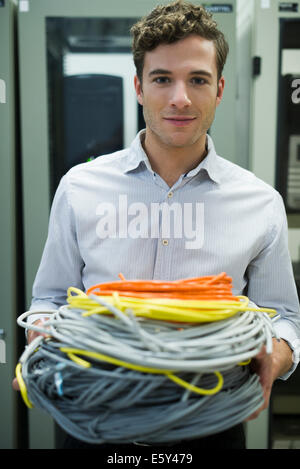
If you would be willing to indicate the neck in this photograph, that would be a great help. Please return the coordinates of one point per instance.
(171, 162)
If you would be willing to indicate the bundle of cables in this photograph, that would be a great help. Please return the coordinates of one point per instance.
(147, 361)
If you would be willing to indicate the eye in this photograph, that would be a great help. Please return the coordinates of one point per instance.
(198, 81)
(161, 80)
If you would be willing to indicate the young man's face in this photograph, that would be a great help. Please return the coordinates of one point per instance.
(180, 91)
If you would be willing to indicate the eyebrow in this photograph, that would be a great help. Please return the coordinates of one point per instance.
(202, 73)
(161, 71)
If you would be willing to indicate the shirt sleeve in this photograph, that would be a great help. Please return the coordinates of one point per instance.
(271, 281)
(61, 263)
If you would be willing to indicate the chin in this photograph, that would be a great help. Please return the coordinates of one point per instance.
(183, 142)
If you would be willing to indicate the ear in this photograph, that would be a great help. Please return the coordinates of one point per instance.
(221, 86)
(138, 89)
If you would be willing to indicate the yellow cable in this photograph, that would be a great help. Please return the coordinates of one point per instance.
(79, 360)
(77, 291)
(22, 386)
(71, 352)
(247, 362)
(191, 387)
(113, 361)
(165, 309)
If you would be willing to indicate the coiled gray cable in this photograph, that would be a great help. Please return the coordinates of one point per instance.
(109, 403)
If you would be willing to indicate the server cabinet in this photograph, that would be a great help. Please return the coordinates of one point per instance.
(11, 425)
(288, 121)
(275, 55)
(93, 120)
(64, 45)
(274, 122)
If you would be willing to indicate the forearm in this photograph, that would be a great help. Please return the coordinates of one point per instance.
(282, 358)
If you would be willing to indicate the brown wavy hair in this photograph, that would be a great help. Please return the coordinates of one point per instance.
(169, 23)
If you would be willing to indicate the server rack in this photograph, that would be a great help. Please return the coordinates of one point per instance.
(13, 422)
(274, 116)
(267, 72)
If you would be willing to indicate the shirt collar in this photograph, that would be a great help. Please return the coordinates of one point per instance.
(209, 164)
(137, 156)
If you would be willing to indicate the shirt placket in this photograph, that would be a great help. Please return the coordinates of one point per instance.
(165, 252)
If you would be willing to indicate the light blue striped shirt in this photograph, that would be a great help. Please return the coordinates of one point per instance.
(115, 215)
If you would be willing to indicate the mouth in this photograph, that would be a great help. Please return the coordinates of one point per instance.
(180, 121)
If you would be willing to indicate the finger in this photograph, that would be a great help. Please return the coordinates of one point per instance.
(33, 334)
(255, 414)
(258, 411)
(252, 417)
(15, 385)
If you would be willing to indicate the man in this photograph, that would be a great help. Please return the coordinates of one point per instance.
(179, 56)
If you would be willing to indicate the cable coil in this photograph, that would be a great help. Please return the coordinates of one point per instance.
(147, 362)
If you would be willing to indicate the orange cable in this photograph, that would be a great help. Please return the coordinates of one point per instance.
(209, 288)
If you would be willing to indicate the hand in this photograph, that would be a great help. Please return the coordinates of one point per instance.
(30, 336)
(269, 367)
(262, 366)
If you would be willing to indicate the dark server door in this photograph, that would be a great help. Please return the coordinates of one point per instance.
(93, 117)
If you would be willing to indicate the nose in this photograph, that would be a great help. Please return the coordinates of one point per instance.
(179, 96)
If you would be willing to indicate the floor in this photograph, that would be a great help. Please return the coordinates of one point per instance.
(285, 420)
(286, 432)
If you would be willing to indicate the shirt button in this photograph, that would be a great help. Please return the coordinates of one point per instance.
(170, 194)
(165, 242)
